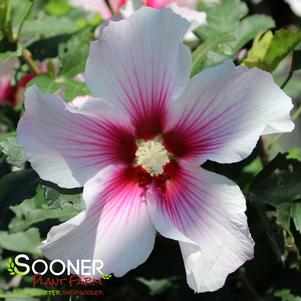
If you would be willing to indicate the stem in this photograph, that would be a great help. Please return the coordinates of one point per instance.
(296, 114)
(108, 4)
(9, 4)
(287, 79)
(260, 208)
(263, 155)
(27, 11)
(247, 285)
(7, 20)
(26, 55)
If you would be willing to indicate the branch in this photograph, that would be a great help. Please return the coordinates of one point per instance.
(263, 155)
(26, 55)
(27, 11)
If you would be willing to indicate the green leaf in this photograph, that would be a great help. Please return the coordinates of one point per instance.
(17, 186)
(15, 153)
(5, 19)
(8, 262)
(2, 18)
(57, 7)
(5, 168)
(48, 26)
(296, 215)
(56, 199)
(254, 167)
(35, 210)
(8, 117)
(278, 183)
(27, 241)
(250, 27)
(293, 87)
(259, 49)
(73, 55)
(269, 50)
(296, 63)
(294, 153)
(210, 53)
(286, 295)
(19, 8)
(71, 88)
(226, 18)
(157, 286)
(45, 84)
(284, 215)
(223, 18)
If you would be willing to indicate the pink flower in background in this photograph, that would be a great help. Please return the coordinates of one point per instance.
(185, 8)
(9, 93)
(79, 101)
(98, 6)
(137, 147)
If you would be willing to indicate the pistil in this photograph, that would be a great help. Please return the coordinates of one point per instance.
(152, 156)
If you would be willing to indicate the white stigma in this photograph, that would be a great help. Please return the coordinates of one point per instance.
(152, 156)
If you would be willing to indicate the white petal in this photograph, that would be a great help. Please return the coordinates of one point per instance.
(130, 7)
(67, 146)
(94, 6)
(224, 110)
(208, 209)
(295, 6)
(115, 228)
(139, 63)
(195, 17)
(79, 101)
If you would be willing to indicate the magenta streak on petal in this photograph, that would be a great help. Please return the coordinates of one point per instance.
(92, 142)
(150, 112)
(194, 134)
(181, 201)
(117, 196)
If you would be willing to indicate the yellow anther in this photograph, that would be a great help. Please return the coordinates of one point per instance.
(152, 156)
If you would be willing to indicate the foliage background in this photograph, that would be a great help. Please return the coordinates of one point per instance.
(51, 39)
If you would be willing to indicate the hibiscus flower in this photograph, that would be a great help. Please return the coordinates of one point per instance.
(138, 145)
(125, 8)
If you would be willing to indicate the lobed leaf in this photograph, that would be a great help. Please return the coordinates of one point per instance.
(15, 154)
(269, 50)
(27, 241)
(17, 186)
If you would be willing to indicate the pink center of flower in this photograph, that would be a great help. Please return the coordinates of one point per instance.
(138, 174)
(153, 164)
